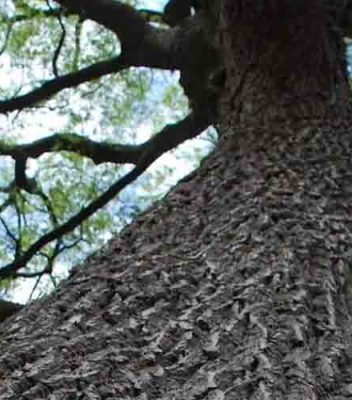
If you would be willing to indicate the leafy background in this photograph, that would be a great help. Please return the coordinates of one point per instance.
(122, 108)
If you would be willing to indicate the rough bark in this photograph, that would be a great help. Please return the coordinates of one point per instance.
(283, 61)
(237, 285)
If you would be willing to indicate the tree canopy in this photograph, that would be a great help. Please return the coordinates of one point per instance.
(80, 94)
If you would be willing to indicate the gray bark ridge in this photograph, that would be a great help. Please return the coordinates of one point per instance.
(236, 285)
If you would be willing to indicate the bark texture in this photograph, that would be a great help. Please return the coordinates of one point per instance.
(238, 284)
(283, 61)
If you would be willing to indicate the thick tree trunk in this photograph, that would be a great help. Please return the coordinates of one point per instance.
(238, 284)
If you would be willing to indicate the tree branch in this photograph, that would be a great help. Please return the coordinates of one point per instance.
(140, 41)
(97, 152)
(122, 19)
(167, 139)
(52, 87)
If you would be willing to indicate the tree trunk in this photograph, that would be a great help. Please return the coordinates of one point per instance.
(237, 285)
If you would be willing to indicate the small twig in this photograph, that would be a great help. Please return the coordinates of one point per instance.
(37, 13)
(78, 29)
(20, 173)
(19, 230)
(5, 204)
(9, 233)
(34, 288)
(61, 40)
(7, 38)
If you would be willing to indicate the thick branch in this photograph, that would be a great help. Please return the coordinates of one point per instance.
(50, 88)
(98, 152)
(140, 41)
(176, 11)
(124, 20)
(170, 137)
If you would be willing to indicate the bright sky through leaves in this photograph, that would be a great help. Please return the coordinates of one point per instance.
(112, 114)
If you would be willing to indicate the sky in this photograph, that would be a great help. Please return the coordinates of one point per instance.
(154, 4)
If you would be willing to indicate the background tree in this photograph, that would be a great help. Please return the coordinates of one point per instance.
(237, 284)
(71, 151)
